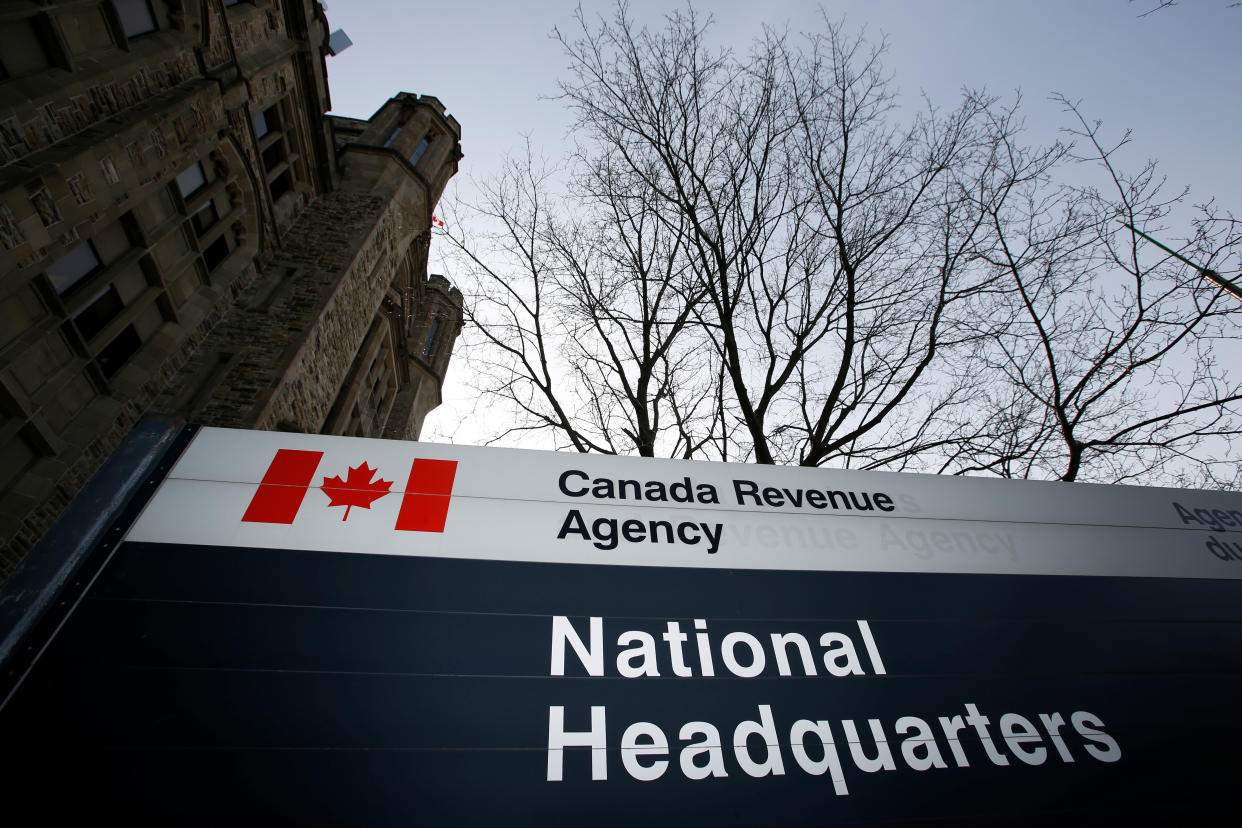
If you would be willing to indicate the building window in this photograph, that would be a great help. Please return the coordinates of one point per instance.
(273, 156)
(216, 252)
(392, 137)
(421, 148)
(111, 295)
(205, 207)
(205, 218)
(379, 391)
(117, 352)
(268, 123)
(73, 267)
(282, 184)
(261, 124)
(431, 338)
(191, 180)
(136, 17)
(22, 49)
(276, 151)
(99, 311)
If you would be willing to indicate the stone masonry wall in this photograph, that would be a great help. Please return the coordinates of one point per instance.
(292, 337)
(322, 361)
(52, 484)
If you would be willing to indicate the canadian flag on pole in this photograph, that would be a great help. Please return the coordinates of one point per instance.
(424, 503)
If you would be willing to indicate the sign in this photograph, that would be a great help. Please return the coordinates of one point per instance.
(332, 630)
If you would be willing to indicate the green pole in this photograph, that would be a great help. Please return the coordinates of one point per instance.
(1206, 272)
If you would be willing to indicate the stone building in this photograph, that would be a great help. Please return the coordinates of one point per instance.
(183, 230)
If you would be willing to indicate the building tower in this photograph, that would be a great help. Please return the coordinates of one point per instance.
(183, 230)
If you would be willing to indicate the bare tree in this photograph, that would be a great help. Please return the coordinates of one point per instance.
(761, 256)
(832, 242)
(586, 308)
(898, 209)
(1102, 363)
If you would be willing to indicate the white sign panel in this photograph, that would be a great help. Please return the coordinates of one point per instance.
(517, 637)
(333, 494)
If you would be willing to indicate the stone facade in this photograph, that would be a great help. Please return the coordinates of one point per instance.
(183, 230)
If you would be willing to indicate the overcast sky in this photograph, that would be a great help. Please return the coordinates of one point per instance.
(1172, 76)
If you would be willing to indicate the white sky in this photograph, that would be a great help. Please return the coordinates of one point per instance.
(1174, 77)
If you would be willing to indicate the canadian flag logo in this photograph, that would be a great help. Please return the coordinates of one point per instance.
(424, 504)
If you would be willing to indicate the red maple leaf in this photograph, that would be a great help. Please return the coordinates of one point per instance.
(356, 489)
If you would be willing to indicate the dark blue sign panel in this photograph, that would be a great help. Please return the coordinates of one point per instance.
(209, 685)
